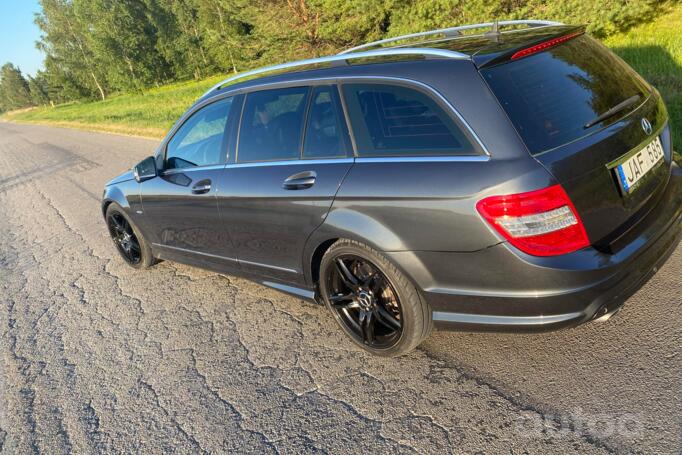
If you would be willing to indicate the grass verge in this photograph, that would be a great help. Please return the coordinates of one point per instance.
(653, 49)
(148, 114)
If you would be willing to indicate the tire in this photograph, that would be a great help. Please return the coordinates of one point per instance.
(397, 295)
(141, 259)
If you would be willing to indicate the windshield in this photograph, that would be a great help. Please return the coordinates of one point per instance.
(553, 97)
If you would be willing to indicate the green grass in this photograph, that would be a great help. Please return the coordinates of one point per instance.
(148, 114)
(653, 49)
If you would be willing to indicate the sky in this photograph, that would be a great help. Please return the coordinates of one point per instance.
(18, 35)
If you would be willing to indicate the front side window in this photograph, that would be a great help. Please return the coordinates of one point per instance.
(393, 120)
(199, 141)
(326, 135)
(272, 125)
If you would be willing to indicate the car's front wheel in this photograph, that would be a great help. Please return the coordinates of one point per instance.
(373, 302)
(128, 240)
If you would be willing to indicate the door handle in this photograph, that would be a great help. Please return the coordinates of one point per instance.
(202, 187)
(300, 181)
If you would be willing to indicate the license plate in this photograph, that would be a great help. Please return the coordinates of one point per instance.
(637, 166)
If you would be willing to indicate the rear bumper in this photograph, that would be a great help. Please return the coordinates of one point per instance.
(503, 289)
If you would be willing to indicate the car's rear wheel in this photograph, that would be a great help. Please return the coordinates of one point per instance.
(373, 302)
(128, 240)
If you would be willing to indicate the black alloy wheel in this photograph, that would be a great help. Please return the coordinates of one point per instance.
(365, 301)
(124, 238)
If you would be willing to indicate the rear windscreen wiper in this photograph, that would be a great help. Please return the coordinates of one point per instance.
(613, 111)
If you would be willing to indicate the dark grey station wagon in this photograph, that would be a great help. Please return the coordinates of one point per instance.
(504, 176)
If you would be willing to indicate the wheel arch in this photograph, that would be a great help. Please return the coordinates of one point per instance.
(105, 206)
(113, 194)
(348, 224)
(316, 258)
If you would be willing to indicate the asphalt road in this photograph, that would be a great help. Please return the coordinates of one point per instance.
(97, 357)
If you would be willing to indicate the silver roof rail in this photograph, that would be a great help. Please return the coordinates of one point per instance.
(439, 53)
(451, 30)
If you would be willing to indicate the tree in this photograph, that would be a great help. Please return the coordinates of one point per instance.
(65, 43)
(179, 37)
(14, 91)
(310, 28)
(96, 47)
(39, 89)
(226, 34)
(124, 41)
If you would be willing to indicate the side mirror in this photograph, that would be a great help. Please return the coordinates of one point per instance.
(145, 169)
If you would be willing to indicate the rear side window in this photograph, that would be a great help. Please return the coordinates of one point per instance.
(272, 125)
(552, 95)
(199, 141)
(393, 120)
(326, 135)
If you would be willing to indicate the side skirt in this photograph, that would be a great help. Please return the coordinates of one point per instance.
(233, 268)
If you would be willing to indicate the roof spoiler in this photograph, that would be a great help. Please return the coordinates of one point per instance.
(535, 44)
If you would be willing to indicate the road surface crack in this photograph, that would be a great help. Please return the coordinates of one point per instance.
(171, 416)
(519, 404)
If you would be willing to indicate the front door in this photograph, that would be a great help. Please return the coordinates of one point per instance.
(180, 206)
(292, 156)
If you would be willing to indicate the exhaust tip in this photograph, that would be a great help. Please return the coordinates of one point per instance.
(604, 314)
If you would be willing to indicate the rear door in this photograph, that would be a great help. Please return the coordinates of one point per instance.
(293, 152)
(583, 112)
(417, 167)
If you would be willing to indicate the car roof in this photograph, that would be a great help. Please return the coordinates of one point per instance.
(482, 49)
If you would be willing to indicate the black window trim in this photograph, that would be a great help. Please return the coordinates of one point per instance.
(184, 119)
(483, 152)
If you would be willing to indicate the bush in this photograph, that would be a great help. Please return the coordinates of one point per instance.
(603, 18)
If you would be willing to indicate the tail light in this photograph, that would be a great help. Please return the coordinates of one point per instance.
(544, 45)
(541, 223)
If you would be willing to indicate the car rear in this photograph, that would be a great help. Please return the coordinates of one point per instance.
(613, 167)
(576, 249)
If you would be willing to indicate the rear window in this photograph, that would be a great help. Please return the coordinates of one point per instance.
(272, 124)
(393, 120)
(552, 95)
